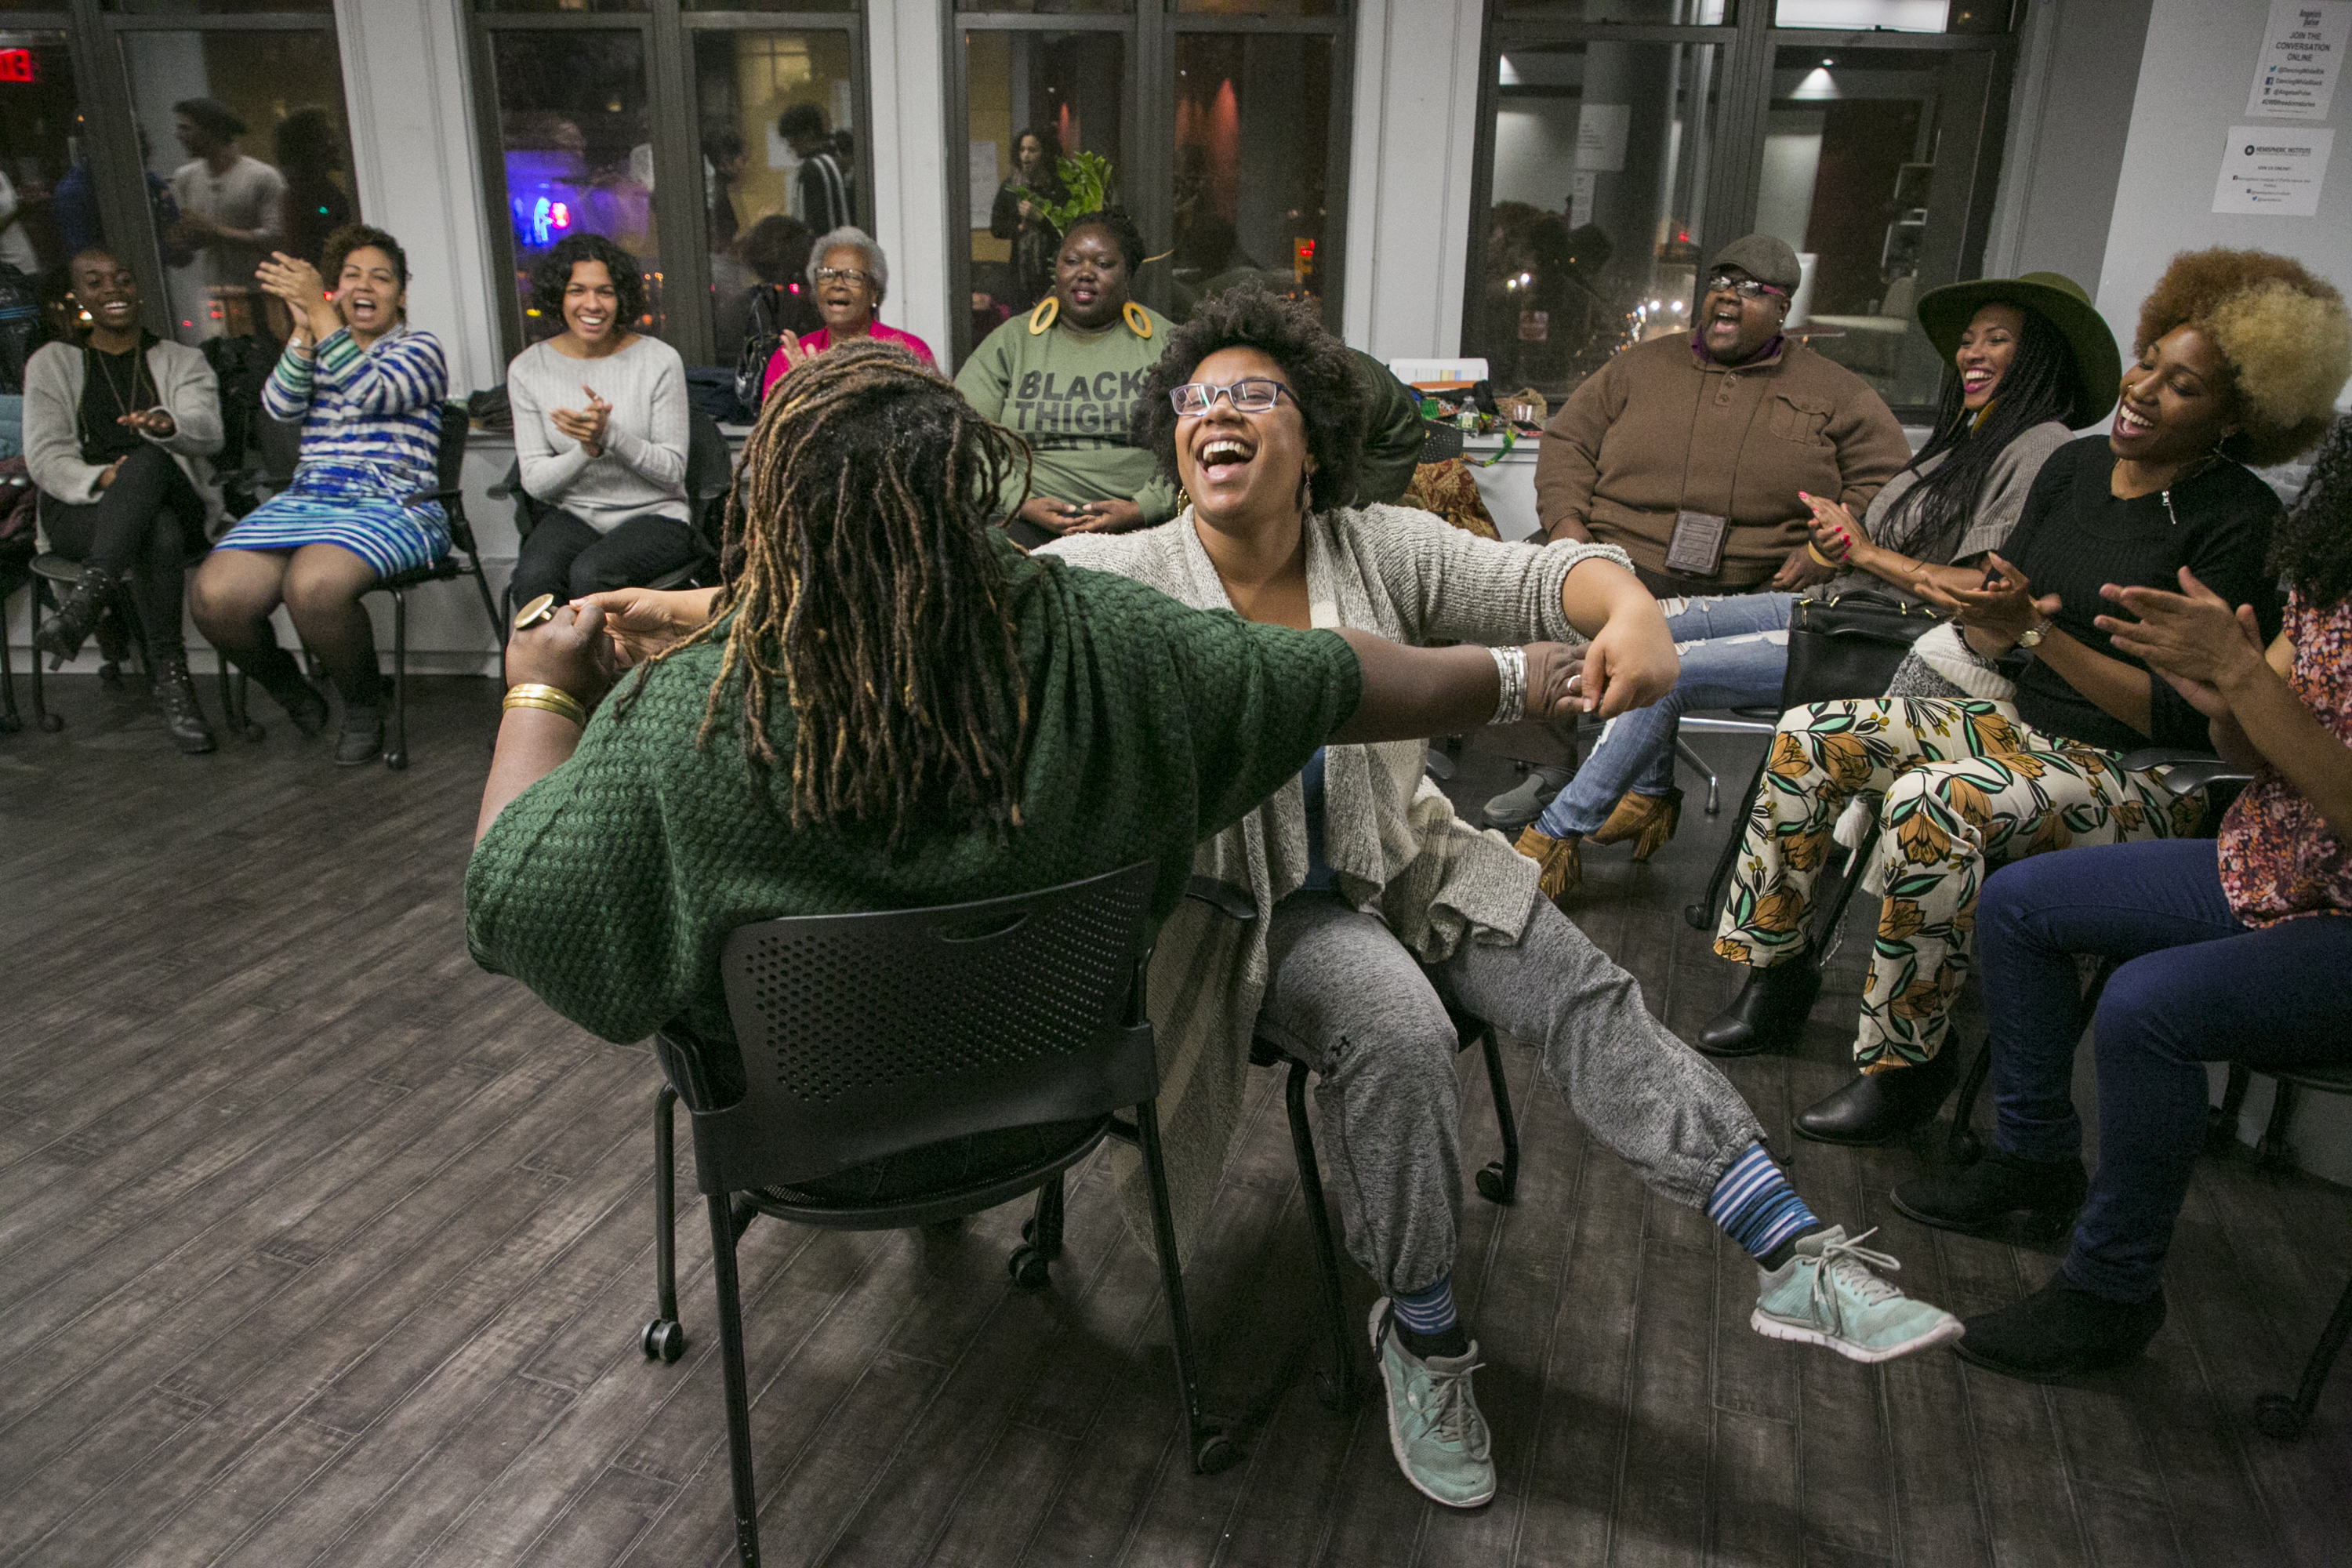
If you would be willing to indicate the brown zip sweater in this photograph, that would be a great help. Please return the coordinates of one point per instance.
(1661, 427)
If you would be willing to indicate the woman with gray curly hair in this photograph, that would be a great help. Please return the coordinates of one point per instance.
(1338, 913)
(2005, 733)
(850, 276)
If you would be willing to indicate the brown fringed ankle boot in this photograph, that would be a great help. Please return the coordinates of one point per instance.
(1561, 860)
(1649, 820)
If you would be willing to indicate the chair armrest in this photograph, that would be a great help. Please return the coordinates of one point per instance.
(2184, 769)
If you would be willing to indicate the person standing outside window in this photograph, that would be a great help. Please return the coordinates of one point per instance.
(232, 207)
(1019, 214)
(823, 192)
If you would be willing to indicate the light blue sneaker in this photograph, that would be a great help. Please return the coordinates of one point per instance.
(1827, 1295)
(1440, 1440)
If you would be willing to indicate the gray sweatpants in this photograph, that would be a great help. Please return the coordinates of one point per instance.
(1354, 1002)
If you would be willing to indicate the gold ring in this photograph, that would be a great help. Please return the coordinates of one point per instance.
(540, 609)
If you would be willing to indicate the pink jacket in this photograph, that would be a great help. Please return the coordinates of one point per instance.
(822, 339)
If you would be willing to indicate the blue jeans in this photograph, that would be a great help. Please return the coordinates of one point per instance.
(1725, 665)
(2196, 986)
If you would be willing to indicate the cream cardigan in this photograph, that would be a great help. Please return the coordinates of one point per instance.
(183, 383)
(1390, 834)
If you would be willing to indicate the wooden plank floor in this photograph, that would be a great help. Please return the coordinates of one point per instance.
(319, 1247)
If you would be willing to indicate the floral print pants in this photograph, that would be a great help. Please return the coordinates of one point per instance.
(1964, 785)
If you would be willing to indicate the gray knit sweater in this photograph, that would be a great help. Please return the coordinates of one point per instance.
(1390, 834)
(642, 469)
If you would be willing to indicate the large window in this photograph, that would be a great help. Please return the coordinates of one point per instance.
(1623, 139)
(603, 110)
(196, 137)
(1224, 123)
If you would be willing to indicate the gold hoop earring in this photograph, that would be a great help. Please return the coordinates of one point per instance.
(1136, 322)
(1043, 316)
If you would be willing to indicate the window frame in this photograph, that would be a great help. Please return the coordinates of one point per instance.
(1743, 101)
(669, 32)
(1150, 30)
(102, 85)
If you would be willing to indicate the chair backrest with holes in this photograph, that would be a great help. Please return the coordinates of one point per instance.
(863, 1036)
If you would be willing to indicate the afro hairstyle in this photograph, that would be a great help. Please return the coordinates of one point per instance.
(1320, 369)
(2287, 335)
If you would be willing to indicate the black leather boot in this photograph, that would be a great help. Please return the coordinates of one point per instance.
(275, 671)
(2060, 1330)
(1768, 1013)
(1974, 1199)
(60, 637)
(184, 716)
(1880, 1107)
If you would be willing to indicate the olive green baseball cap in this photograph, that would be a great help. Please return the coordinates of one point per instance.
(2058, 300)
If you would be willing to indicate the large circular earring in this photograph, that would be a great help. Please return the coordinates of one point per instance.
(1043, 316)
(1136, 322)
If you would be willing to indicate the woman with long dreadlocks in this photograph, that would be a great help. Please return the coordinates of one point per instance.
(983, 723)
(2031, 360)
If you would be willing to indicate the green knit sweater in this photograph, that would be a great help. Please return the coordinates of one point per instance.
(609, 886)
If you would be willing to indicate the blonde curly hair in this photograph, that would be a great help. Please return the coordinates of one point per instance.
(2287, 335)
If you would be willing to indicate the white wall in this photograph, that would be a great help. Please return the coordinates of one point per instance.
(2194, 75)
(906, 58)
(1414, 130)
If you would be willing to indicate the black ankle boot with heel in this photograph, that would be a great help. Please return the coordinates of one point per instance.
(1978, 1198)
(1768, 1014)
(175, 694)
(61, 636)
(1880, 1107)
(275, 671)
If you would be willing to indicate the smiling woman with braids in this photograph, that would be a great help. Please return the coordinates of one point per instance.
(889, 707)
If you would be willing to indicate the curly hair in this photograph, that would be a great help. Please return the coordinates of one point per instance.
(2313, 548)
(360, 237)
(553, 273)
(862, 580)
(1319, 367)
(2287, 335)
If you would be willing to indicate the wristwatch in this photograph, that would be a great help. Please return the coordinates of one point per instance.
(2034, 635)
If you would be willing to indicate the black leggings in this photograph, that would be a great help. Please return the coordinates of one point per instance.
(565, 557)
(144, 526)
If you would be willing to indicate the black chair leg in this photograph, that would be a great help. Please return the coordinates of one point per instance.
(42, 718)
(1211, 1447)
(2221, 1124)
(665, 1337)
(395, 756)
(738, 1392)
(2271, 1153)
(490, 606)
(1337, 1383)
(1700, 916)
(1963, 1146)
(1041, 1241)
(1831, 931)
(235, 690)
(2286, 1418)
(1499, 1182)
(9, 722)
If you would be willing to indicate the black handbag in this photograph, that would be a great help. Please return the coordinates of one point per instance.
(1848, 647)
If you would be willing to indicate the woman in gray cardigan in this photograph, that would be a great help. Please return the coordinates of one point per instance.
(1372, 898)
(117, 432)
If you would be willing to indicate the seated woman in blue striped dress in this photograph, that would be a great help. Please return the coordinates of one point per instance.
(367, 388)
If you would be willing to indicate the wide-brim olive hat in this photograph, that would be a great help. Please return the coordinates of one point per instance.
(1944, 314)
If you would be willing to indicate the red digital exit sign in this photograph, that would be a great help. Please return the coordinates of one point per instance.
(16, 65)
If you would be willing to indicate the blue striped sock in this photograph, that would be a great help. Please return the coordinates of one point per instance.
(1427, 1312)
(1754, 1205)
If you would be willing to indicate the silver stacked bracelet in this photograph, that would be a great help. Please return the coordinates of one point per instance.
(1511, 668)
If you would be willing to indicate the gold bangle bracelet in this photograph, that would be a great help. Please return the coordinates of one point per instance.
(1824, 560)
(549, 699)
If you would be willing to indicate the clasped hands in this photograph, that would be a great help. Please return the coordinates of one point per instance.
(1057, 516)
(585, 426)
(1996, 615)
(297, 282)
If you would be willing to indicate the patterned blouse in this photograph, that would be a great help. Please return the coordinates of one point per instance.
(2279, 860)
(380, 406)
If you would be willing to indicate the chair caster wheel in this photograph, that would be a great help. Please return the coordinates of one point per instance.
(664, 1340)
(396, 760)
(1029, 1267)
(52, 723)
(1213, 1452)
(1699, 917)
(110, 674)
(10, 724)
(1492, 1188)
(2276, 1414)
(1028, 1230)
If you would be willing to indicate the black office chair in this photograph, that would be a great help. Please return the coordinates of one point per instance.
(710, 475)
(450, 492)
(901, 1068)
